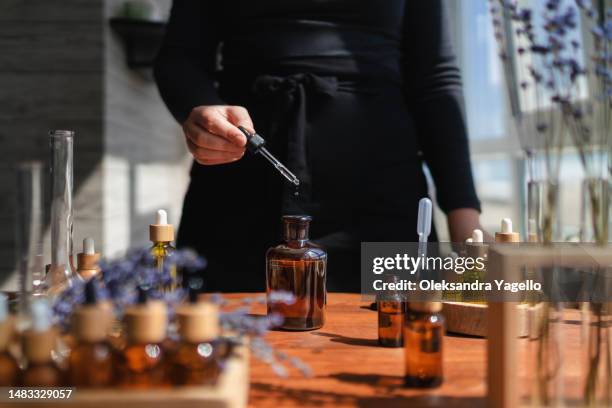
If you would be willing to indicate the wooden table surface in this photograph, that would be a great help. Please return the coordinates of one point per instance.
(350, 369)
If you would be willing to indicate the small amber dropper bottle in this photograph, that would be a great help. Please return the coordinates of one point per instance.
(196, 359)
(390, 317)
(162, 234)
(88, 260)
(9, 368)
(141, 364)
(38, 343)
(91, 359)
(423, 339)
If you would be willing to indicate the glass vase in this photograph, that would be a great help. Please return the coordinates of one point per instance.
(597, 351)
(595, 210)
(61, 269)
(29, 232)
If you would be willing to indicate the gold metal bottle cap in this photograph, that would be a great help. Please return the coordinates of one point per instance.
(146, 323)
(198, 322)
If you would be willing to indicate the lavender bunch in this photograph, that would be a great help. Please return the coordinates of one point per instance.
(239, 321)
(120, 279)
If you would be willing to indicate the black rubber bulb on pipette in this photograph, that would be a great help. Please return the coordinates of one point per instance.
(91, 292)
(254, 141)
(143, 296)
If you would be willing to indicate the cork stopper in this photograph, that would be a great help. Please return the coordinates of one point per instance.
(475, 246)
(88, 260)
(161, 231)
(425, 307)
(146, 321)
(198, 322)
(506, 234)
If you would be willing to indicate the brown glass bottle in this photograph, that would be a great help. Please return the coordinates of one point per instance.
(91, 359)
(390, 315)
(141, 363)
(390, 322)
(9, 368)
(38, 343)
(196, 360)
(423, 339)
(300, 267)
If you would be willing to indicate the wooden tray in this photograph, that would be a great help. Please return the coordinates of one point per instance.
(231, 391)
(471, 318)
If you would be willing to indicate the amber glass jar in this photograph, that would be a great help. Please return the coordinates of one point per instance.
(196, 360)
(142, 362)
(38, 343)
(300, 267)
(423, 338)
(91, 359)
(9, 369)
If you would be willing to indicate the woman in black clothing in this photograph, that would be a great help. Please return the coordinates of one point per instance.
(352, 95)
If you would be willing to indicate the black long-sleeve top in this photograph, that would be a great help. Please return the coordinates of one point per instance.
(403, 42)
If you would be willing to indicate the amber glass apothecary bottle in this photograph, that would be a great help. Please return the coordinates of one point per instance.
(423, 340)
(300, 267)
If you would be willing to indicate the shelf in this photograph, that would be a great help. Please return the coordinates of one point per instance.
(142, 39)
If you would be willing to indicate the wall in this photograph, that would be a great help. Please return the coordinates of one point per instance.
(61, 67)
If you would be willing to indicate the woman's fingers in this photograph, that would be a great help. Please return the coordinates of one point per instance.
(223, 121)
(208, 156)
(212, 133)
(202, 138)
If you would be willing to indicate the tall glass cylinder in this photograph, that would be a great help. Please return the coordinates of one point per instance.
(61, 270)
(595, 210)
(30, 218)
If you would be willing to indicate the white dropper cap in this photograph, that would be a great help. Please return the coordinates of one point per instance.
(424, 219)
(3, 307)
(41, 315)
(468, 241)
(506, 226)
(161, 218)
(161, 231)
(477, 236)
(89, 246)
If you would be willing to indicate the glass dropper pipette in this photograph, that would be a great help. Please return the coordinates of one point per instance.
(256, 144)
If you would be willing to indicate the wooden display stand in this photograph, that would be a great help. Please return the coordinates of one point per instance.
(502, 317)
(231, 391)
(471, 318)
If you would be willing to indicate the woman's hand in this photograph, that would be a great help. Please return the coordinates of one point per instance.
(212, 135)
(461, 223)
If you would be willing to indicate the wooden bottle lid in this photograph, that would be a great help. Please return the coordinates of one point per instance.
(161, 231)
(7, 331)
(90, 323)
(146, 323)
(426, 307)
(88, 264)
(198, 322)
(38, 345)
(506, 234)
